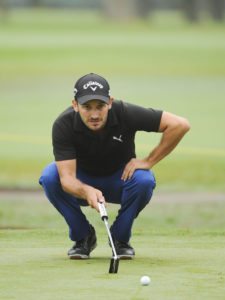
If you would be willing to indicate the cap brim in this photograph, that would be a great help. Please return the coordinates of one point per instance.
(86, 98)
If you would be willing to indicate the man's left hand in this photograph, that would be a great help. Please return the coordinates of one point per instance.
(133, 165)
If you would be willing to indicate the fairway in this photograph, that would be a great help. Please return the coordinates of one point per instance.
(163, 63)
(179, 243)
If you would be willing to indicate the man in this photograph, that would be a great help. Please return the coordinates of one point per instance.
(95, 160)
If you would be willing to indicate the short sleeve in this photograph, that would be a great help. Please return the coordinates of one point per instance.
(142, 119)
(63, 147)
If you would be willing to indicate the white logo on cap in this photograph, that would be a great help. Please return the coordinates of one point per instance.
(91, 84)
(93, 88)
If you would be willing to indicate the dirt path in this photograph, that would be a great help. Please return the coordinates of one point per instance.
(159, 196)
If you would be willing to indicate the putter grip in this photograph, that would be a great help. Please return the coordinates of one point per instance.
(103, 211)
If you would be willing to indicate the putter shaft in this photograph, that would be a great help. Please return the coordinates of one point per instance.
(110, 238)
(104, 217)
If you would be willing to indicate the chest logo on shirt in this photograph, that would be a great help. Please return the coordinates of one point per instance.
(119, 139)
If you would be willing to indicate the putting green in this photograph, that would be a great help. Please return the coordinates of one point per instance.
(179, 243)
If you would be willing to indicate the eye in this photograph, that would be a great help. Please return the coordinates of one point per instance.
(101, 106)
(86, 107)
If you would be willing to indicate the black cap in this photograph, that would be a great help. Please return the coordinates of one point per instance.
(91, 87)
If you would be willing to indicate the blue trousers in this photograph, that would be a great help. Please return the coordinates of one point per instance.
(132, 195)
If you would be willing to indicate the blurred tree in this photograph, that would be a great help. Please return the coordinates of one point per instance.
(191, 9)
(217, 9)
(36, 3)
(127, 9)
(4, 7)
(144, 7)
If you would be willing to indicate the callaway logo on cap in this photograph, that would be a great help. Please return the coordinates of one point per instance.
(91, 87)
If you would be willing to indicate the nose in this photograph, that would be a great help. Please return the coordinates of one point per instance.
(94, 114)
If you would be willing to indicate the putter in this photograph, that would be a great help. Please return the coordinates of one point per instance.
(114, 263)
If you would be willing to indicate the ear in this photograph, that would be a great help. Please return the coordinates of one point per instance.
(110, 102)
(75, 105)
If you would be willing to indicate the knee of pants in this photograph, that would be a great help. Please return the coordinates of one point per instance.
(49, 176)
(145, 180)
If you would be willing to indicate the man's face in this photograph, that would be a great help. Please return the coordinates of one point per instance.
(93, 113)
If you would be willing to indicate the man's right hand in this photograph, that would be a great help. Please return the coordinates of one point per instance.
(73, 186)
(93, 196)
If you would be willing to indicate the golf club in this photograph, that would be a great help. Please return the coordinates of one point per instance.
(114, 263)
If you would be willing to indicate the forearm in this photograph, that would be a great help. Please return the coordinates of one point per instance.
(173, 128)
(72, 185)
(75, 187)
(170, 138)
(83, 191)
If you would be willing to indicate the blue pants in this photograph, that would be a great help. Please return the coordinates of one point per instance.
(133, 195)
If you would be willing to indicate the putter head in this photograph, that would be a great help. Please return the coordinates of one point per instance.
(114, 265)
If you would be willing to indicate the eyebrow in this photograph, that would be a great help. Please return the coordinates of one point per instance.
(101, 103)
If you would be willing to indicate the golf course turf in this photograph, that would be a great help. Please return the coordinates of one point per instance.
(164, 63)
(179, 244)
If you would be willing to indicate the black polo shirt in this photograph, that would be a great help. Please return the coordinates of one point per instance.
(102, 153)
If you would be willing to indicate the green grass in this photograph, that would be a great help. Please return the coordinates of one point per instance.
(179, 244)
(165, 63)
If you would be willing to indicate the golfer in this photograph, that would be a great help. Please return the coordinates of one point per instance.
(94, 148)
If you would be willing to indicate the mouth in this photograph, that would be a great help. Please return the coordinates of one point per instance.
(95, 123)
